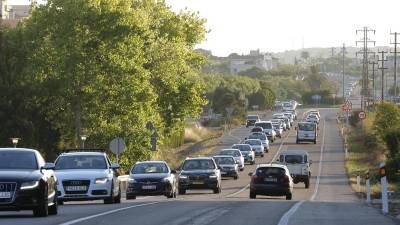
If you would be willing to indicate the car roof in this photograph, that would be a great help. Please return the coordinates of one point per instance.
(19, 149)
(229, 149)
(272, 165)
(83, 153)
(144, 162)
(201, 158)
(264, 121)
(252, 139)
(294, 152)
(240, 144)
(223, 156)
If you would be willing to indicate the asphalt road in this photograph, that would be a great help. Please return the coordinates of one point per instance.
(329, 200)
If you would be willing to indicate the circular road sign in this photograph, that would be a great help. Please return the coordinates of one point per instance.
(362, 115)
(117, 146)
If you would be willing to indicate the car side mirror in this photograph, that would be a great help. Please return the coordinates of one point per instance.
(219, 167)
(250, 174)
(173, 171)
(277, 160)
(48, 166)
(115, 166)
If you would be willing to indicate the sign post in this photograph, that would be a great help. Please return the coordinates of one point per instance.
(117, 146)
(368, 187)
(385, 200)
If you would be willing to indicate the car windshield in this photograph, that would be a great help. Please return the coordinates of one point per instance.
(258, 136)
(306, 126)
(144, 168)
(270, 171)
(242, 148)
(224, 160)
(293, 159)
(252, 117)
(198, 164)
(233, 153)
(253, 142)
(78, 162)
(264, 125)
(22, 160)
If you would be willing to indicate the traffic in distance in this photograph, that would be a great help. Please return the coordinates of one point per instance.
(28, 183)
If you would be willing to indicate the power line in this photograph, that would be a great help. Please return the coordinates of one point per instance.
(365, 41)
(374, 69)
(395, 43)
(382, 60)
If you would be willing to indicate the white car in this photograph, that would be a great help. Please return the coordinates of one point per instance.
(237, 154)
(298, 163)
(306, 132)
(268, 129)
(262, 137)
(247, 152)
(256, 145)
(86, 176)
(312, 118)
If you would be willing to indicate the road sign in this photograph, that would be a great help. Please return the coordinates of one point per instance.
(229, 111)
(349, 103)
(346, 108)
(362, 115)
(117, 146)
(316, 97)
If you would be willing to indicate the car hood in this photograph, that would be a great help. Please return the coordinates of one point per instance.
(149, 176)
(22, 175)
(80, 174)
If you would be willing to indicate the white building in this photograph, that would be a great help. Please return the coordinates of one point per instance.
(11, 15)
(3, 4)
(239, 63)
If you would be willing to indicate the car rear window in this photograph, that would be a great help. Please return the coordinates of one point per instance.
(264, 125)
(270, 171)
(293, 159)
(224, 160)
(252, 117)
(144, 168)
(257, 129)
(233, 153)
(253, 142)
(258, 136)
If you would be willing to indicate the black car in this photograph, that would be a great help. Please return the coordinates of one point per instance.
(27, 182)
(271, 180)
(151, 178)
(251, 120)
(200, 173)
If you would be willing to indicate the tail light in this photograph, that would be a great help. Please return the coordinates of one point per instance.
(285, 179)
(255, 178)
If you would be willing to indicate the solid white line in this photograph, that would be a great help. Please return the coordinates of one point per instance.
(106, 213)
(319, 166)
(286, 217)
(238, 192)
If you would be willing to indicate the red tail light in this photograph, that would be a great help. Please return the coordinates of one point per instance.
(255, 178)
(285, 179)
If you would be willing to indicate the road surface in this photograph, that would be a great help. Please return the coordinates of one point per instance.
(329, 200)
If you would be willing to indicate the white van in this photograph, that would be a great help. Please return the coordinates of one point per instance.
(298, 162)
(306, 132)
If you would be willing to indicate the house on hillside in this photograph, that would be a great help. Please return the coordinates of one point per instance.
(239, 63)
(11, 15)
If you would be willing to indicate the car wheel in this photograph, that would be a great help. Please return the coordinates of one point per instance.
(289, 196)
(253, 195)
(241, 169)
(117, 198)
(42, 210)
(236, 177)
(60, 202)
(217, 190)
(262, 156)
(53, 210)
(181, 191)
(297, 141)
(307, 182)
(252, 162)
(315, 141)
(171, 192)
(110, 200)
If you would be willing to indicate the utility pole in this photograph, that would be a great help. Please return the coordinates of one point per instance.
(343, 61)
(374, 69)
(365, 41)
(382, 60)
(395, 43)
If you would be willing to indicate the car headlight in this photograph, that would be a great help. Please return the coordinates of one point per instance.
(183, 177)
(29, 185)
(102, 180)
(131, 180)
(213, 176)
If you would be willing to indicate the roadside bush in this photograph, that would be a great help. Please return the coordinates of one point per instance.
(392, 141)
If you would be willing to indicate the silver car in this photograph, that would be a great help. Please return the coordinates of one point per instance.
(256, 145)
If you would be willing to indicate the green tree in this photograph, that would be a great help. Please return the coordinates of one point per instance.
(387, 118)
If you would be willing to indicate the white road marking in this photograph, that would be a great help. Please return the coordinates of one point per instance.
(286, 217)
(106, 213)
(238, 192)
(319, 166)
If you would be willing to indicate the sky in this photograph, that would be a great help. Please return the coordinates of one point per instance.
(278, 25)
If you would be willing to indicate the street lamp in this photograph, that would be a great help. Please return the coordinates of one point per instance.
(15, 141)
(83, 138)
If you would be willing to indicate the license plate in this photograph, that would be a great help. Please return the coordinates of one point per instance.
(269, 179)
(76, 188)
(5, 194)
(197, 182)
(223, 173)
(306, 135)
(149, 187)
